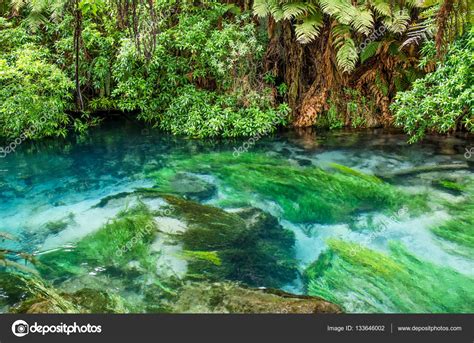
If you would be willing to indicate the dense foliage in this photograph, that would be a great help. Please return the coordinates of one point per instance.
(442, 100)
(202, 79)
(226, 69)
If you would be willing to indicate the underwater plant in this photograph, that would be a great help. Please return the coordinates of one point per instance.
(304, 194)
(397, 281)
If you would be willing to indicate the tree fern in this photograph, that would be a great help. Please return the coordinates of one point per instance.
(296, 9)
(381, 7)
(363, 21)
(369, 51)
(346, 52)
(261, 8)
(398, 22)
(309, 28)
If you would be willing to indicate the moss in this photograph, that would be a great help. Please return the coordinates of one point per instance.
(210, 228)
(96, 301)
(394, 282)
(139, 193)
(30, 294)
(126, 238)
(305, 194)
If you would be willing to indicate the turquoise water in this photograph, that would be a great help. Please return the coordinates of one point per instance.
(378, 239)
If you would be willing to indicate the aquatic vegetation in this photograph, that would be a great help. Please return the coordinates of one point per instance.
(23, 293)
(30, 294)
(256, 220)
(350, 171)
(56, 226)
(305, 194)
(126, 238)
(209, 256)
(248, 246)
(460, 229)
(381, 282)
(450, 186)
(13, 259)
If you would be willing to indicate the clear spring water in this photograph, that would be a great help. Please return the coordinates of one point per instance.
(59, 179)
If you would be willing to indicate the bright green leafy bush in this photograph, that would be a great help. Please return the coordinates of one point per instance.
(442, 100)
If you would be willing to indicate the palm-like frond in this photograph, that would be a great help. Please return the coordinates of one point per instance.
(419, 32)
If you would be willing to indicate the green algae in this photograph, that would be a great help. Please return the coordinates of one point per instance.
(396, 282)
(124, 239)
(305, 194)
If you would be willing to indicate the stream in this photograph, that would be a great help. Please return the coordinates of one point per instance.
(307, 212)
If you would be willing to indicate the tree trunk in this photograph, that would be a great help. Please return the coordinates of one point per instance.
(77, 50)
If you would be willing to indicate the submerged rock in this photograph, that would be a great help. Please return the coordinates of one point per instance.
(95, 301)
(29, 294)
(248, 245)
(226, 297)
(192, 187)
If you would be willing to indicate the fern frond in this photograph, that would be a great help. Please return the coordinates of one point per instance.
(399, 21)
(261, 8)
(369, 51)
(309, 28)
(362, 21)
(277, 12)
(331, 7)
(295, 9)
(420, 32)
(346, 52)
(381, 7)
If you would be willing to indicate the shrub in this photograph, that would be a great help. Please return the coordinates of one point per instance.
(441, 101)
